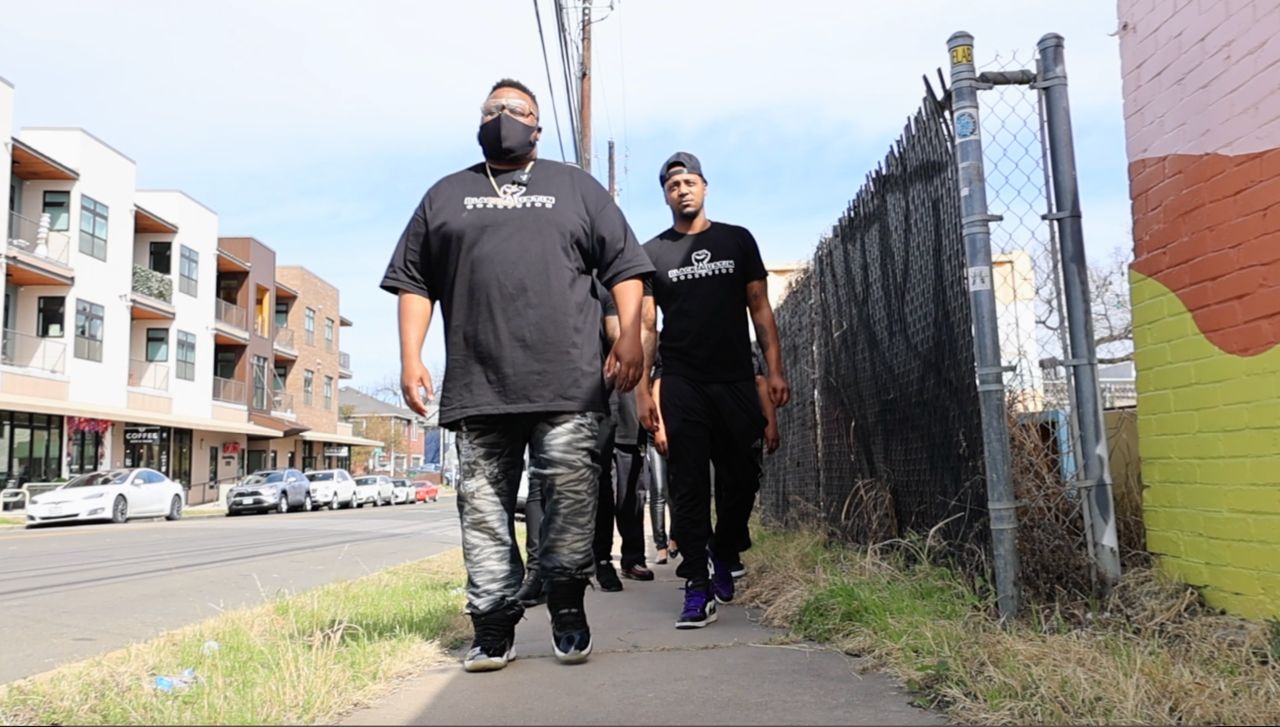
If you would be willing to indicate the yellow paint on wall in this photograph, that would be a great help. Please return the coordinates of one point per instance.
(1209, 438)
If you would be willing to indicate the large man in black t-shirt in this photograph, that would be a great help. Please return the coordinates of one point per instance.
(509, 248)
(708, 276)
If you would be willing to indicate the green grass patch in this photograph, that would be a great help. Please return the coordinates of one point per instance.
(1151, 654)
(299, 659)
(7, 520)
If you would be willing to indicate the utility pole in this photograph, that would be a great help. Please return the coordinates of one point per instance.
(613, 176)
(584, 105)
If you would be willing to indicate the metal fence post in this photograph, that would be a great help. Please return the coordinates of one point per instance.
(977, 243)
(1083, 358)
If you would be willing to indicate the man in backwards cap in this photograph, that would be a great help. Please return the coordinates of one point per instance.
(708, 276)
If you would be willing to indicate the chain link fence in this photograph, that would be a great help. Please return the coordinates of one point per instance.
(883, 436)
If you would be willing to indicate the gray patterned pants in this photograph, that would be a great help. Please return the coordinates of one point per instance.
(562, 465)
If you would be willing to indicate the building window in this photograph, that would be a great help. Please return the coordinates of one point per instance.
(157, 344)
(189, 270)
(50, 313)
(88, 331)
(58, 206)
(328, 334)
(328, 392)
(33, 444)
(224, 363)
(162, 257)
(308, 382)
(260, 383)
(186, 356)
(282, 313)
(93, 227)
(309, 326)
(87, 449)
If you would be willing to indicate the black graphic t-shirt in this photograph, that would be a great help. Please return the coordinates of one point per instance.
(512, 275)
(700, 284)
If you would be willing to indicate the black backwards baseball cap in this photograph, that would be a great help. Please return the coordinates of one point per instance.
(682, 162)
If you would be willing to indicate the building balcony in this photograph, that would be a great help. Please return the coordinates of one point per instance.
(37, 255)
(33, 352)
(285, 343)
(344, 365)
(230, 324)
(152, 297)
(282, 405)
(148, 375)
(228, 391)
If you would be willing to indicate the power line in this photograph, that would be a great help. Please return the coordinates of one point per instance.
(550, 86)
(566, 63)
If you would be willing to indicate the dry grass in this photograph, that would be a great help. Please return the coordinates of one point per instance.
(1152, 654)
(301, 659)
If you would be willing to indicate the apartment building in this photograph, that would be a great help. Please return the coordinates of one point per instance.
(133, 335)
(314, 381)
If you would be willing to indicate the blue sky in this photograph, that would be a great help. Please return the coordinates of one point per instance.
(317, 126)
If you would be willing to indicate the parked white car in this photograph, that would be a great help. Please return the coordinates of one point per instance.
(114, 495)
(332, 488)
(374, 490)
(402, 492)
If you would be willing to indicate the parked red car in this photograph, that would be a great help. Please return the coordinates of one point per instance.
(426, 491)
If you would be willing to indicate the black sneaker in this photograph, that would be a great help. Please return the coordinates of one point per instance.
(637, 572)
(531, 592)
(607, 577)
(570, 634)
(495, 639)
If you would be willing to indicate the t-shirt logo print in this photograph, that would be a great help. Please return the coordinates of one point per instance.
(511, 196)
(701, 267)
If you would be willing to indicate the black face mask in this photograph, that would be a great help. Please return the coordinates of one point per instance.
(506, 139)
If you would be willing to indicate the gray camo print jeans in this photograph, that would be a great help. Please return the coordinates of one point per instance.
(562, 463)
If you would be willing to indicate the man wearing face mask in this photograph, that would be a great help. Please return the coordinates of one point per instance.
(708, 276)
(509, 248)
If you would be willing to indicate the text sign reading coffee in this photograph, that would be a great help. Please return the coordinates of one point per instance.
(143, 435)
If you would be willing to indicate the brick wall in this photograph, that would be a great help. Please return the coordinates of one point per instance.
(1202, 119)
(315, 293)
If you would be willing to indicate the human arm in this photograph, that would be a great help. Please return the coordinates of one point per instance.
(767, 336)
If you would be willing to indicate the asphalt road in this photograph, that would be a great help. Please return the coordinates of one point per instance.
(71, 592)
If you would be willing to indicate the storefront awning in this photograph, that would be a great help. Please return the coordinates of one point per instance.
(330, 438)
(35, 405)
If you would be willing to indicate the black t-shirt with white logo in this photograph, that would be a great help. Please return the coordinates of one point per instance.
(700, 284)
(512, 274)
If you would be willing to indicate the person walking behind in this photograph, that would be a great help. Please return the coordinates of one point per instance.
(708, 275)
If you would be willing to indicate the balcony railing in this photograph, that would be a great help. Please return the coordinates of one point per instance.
(285, 338)
(261, 327)
(281, 403)
(344, 360)
(152, 284)
(35, 238)
(33, 352)
(148, 375)
(231, 314)
(228, 390)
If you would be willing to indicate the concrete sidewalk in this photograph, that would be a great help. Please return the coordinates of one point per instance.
(644, 671)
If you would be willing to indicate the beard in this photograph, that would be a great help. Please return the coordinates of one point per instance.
(690, 214)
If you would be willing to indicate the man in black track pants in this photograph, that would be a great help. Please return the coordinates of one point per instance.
(707, 276)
